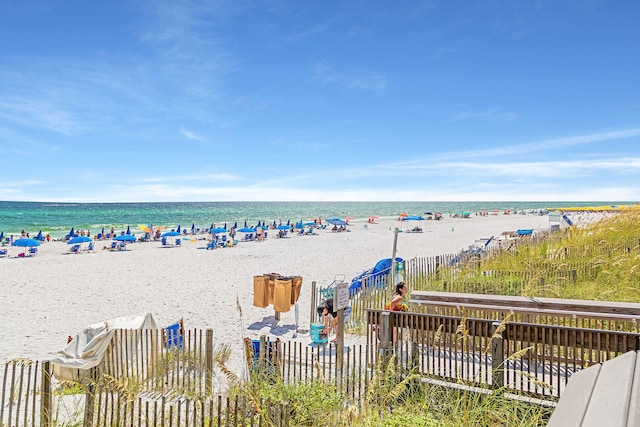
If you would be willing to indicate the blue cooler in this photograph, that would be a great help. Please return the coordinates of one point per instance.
(315, 330)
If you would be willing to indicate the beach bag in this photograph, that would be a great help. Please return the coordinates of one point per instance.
(296, 286)
(260, 291)
(282, 295)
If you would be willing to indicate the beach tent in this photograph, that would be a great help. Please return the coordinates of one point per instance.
(86, 350)
(382, 268)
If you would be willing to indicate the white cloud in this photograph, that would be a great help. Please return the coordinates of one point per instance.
(191, 135)
(355, 81)
(493, 114)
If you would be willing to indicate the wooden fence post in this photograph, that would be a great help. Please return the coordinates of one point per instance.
(89, 404)
(497, 357)
(386, 336)
(209, 361)
(45, 400)
(263, 354)
(314, 303)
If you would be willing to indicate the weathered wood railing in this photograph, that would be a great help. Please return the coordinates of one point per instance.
(615, 316)
(527, 358)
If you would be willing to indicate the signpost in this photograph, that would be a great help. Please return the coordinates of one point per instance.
(340, 301)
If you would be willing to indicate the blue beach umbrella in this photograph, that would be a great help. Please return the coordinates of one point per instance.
(39, 237)
(245, 223)
(171, 234)
(125, 238)
(71, 234)
(337, 222)
(235, 224)
(413, 218)
(178, 229)
(193, 226)
(284, 227)
(128, 232)
(1, 236)
(102, 232)
(26, 243)
(246, 230)
(79, 239)
(218, 230)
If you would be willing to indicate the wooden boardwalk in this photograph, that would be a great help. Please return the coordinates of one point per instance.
(606, 394)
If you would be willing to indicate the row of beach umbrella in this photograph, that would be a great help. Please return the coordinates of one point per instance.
(73, 238)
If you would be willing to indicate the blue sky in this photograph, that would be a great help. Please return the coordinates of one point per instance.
(320, 100)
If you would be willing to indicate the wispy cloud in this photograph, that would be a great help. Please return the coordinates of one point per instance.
(354, 81)
(493, 114)
(191, 135)
(546, 146)
(193, 177)
(25, 183)
(34, 114)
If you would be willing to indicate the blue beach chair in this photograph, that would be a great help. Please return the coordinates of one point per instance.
(174, 335)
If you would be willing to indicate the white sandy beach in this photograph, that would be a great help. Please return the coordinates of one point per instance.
(52, 295)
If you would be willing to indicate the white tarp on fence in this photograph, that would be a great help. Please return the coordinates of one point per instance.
(86, 349)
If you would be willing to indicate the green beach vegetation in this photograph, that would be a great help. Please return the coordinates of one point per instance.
(597, 262)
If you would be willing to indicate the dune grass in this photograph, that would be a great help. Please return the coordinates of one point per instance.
(597, 262)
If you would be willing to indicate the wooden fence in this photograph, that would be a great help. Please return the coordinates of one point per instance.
(173, 386)
(534, 359)
(133, 386)
(442, 273)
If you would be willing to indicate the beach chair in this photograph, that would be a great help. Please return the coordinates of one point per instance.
(90, 247)
(75, 249)
(178, 242)
(33, 251)
(4, 253)
(263, 360)
(212, 245)
(173, 335)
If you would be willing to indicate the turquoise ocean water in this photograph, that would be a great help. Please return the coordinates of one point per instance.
(57, 218)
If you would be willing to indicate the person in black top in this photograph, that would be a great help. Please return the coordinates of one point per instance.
(330, 325)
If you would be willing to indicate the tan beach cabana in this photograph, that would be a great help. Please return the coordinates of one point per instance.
(86, 350)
